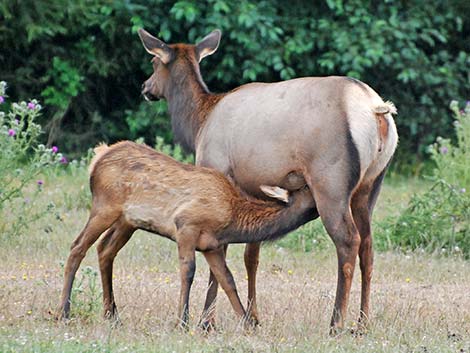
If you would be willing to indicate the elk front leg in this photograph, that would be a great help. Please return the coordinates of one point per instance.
(187, 261)
(216, 261)
(208, 314)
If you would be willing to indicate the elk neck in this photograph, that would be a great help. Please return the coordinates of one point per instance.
(189, 102)
(256, 220)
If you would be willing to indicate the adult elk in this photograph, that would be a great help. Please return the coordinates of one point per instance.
(335, 132)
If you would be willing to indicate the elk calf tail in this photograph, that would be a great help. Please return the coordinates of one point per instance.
(99, 150)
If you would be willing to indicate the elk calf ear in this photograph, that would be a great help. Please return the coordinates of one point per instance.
(208, 45)
(156, 46)
(276, 192)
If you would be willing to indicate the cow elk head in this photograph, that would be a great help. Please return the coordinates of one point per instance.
(171, 60)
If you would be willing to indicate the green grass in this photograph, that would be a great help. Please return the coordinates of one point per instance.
(420, 303)
(393, 199)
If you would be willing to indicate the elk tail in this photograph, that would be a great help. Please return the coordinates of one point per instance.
(382, 122)
(99, 150)
(276, 192)
(385, 108)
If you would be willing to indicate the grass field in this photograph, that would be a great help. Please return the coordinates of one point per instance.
(420, 303)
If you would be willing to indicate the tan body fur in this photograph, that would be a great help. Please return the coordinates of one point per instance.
(334, 134)
(135, 187)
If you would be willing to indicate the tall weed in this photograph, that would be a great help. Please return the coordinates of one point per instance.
(439, 219)
(22, 162)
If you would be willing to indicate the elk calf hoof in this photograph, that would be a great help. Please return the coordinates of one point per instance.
(363, 322)
(336, 331)
(358, 331)
(253, 320)
(250, 323)
(207, 326)
(182, 325)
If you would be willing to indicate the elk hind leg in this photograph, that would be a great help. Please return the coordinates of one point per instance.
(96, 225)
(251, 258)
(362, 220)
(334, 208)
(113, 241)
(362, 206)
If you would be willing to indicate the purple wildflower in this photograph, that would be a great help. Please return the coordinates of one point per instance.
(63, 160)
(463, 190)
(40, 182)
(11, 132)
(55, 149)
(2, 99)
(31, 105)
(443, 150)
(17, 122)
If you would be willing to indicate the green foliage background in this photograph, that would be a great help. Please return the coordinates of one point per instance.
(85, 60)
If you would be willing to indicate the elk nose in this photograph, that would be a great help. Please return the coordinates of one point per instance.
(146, 92)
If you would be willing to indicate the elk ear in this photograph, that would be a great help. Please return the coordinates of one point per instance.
(276, 192)
(155, 46)
(208, 45)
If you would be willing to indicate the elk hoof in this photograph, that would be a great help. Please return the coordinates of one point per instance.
(249, 324)
(62, 314)
(112, 316)
(336, 330)
(253, 320)
(207, 325)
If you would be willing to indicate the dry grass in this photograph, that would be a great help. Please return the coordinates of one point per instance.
(419, 303)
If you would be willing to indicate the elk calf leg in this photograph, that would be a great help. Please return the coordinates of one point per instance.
(109, 246)
(207, 321)
(93, 229)
(187, 260)
(216, 261)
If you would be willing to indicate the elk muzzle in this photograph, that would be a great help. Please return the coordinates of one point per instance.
(147, 92)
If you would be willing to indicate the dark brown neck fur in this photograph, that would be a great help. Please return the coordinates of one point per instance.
(255, 220)
(189, 99)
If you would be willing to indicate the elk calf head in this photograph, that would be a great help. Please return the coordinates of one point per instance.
(173, 60)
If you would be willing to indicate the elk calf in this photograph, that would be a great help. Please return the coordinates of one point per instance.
(134, 187)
